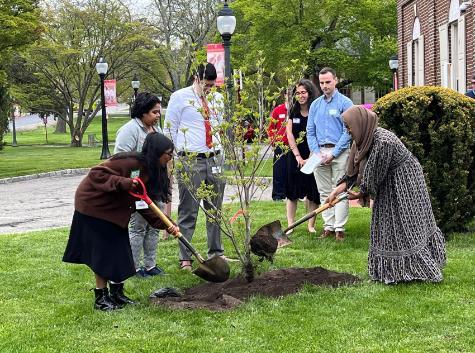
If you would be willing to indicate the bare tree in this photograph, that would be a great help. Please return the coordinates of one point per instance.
(181, 28)
(76, 35)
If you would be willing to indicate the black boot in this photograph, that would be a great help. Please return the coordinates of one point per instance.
(103, 301)
(117, 294)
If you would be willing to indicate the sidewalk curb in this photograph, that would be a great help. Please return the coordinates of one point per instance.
(64, 172)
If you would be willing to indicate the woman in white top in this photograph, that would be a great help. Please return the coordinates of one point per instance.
(130, 137)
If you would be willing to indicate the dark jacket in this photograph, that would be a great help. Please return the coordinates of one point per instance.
(104, 193)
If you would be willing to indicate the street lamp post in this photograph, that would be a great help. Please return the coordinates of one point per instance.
(14, 142)
(160, 117)
(101, 68)
(226, 24)
(135, 85)
(394, 65)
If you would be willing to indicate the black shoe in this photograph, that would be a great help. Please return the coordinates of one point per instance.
(103, 301)
(117, 294)
(154, 271)
(142, 273)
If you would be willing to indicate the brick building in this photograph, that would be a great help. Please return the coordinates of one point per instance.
(436, 42)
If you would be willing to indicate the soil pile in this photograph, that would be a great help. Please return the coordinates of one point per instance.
(229, 294)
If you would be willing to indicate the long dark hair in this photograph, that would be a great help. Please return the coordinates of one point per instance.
(312, 95)
(155, 145)
(144, 103)
(158, 185)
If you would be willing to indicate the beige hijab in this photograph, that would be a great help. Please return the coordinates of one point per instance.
(362, 123)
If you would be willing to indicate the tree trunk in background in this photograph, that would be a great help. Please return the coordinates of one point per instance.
(60, 126)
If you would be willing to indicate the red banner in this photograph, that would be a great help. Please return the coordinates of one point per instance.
(215, 56)
(110, 93)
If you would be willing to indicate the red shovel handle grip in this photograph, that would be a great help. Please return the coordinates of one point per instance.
(143, 195)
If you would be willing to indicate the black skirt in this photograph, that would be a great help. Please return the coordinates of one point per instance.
(300, 185)
(101, 245)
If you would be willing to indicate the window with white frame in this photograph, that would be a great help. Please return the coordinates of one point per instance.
(452, 50)
(415, 56)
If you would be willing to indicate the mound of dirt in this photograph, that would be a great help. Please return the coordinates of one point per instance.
(229, 294)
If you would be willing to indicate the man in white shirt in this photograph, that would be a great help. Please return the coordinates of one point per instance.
(192, 113)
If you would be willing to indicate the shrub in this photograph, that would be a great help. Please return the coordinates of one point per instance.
(438, 126)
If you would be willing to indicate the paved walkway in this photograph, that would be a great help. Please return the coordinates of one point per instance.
(48, 202)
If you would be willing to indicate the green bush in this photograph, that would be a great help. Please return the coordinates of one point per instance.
(438, 126)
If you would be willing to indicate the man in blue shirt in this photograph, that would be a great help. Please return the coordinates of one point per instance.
(328, 138)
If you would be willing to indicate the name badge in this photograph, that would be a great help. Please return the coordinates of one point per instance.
(333, 112)
(141, 205)
(134, 173)
(216, 170)
(296, 120)
(282, 116)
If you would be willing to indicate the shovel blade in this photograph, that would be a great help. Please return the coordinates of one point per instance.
(214, 270)
(264, 242)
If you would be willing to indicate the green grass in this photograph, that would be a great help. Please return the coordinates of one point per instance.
(46, 305)
(37, 136)
(15, 161)
(33, 155)
(265, 169)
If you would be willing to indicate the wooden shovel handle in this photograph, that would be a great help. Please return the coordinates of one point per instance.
(316, 211)
(178, 236)
(165, 219)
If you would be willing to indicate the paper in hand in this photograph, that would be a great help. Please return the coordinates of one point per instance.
(313, 162)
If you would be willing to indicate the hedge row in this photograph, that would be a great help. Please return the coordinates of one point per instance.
(438, 126)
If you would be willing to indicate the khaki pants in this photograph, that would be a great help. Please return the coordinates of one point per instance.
(326, 177)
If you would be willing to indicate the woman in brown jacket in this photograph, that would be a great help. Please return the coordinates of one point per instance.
(99, 232)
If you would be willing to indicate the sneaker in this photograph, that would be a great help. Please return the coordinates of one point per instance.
(142, 273)
(154, 271)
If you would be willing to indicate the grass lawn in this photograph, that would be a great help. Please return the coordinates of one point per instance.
(46, 305)
(37, 136)
(33, 155)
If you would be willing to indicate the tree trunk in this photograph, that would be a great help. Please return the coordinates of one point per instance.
(76, 139)
(60, 126)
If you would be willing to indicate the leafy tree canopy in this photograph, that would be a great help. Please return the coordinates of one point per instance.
(356, 37)
(19, 26)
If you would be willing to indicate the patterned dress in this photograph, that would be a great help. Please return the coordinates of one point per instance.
(406, 243)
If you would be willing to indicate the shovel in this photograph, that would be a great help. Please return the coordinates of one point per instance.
(274, 229)
(215, 269)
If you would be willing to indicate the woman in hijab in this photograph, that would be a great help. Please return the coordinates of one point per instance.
(405, 243)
